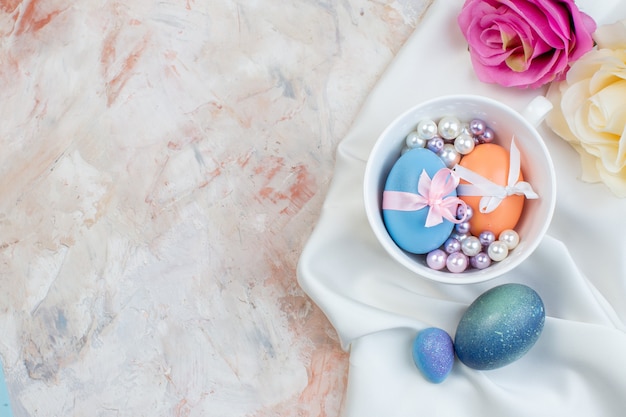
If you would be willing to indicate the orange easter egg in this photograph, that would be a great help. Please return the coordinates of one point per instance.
(491, 161)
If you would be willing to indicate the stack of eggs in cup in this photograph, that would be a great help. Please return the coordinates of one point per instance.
(483, 230)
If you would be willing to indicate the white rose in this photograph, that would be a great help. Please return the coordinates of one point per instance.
(590, 108)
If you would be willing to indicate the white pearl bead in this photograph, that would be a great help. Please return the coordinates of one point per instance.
(497, 251)
(449, 127)
(414, 141)
(471, 246)
(449, 155)
(464, 143)
(427, 129)
(510, 237)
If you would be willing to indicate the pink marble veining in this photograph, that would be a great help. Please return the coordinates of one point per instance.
(163, 165)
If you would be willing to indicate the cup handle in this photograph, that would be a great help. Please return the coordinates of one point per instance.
(537, 110)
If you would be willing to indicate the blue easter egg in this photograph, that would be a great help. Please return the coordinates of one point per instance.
(499, 327)
(408, 228)
(433, 354)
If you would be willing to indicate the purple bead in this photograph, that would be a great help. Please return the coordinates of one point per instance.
(463, 211)
(462, 228)
(435, 144)
(452, 245)
(488, 135)
(486, 237)
(457, 262)
(477, 127)
(459, 236)
(480, 261)
(436, 259)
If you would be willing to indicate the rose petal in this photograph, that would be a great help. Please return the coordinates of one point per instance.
(521, 53)
(607, 116)
(584, 26)
(541, 71)
(492, 39)
(539, 20)
(606, 71)
(589, 165)
(608, 112)
(614, 180)
(611, 36)
(471, 12)
(581, 72)
(558, 16)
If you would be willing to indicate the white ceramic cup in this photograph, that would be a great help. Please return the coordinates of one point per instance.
(536, 166)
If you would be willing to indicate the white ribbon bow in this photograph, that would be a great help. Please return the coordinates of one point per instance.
(492, 193)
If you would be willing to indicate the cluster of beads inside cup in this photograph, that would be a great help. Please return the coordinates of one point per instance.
(451, 139)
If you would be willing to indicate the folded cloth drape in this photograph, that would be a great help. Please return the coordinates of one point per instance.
(577, 368)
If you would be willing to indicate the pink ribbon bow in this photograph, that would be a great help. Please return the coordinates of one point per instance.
(431, 193)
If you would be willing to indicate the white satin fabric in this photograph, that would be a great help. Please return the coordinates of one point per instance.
(578, 366)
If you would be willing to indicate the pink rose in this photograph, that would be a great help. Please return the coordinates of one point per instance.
(524, 43)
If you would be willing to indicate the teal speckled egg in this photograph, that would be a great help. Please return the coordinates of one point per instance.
(499, 327)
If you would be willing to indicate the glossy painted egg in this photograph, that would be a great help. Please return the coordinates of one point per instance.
(433, 354)
(408, 228)
(499, 327)
(492, 162)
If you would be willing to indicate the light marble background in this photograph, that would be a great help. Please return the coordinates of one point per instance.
(163, 164)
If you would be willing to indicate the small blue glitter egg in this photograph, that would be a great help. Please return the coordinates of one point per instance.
(499, 327)
(433, 354)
